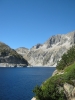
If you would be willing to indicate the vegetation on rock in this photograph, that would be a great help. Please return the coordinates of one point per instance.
(8, 55)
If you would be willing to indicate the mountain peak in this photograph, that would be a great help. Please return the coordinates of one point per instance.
(50, 52)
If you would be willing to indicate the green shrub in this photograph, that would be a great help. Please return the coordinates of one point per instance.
(49, 90)
(67, 59)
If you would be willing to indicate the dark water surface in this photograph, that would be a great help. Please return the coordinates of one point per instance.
(18, 83)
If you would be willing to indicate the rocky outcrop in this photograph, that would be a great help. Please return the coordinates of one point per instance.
(56, 72)
(69, 91)
(9, 57)
(33, 98)
(67, 88)
(50, 52)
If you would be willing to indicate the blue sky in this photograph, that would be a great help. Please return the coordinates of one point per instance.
(24, 23)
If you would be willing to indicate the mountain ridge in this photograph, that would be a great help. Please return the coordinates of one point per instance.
(10, 58)
(48, 53)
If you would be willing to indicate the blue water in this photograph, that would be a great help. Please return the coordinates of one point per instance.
(18, 83)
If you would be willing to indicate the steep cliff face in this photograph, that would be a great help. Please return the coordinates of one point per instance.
(10, 56)
(50, 52)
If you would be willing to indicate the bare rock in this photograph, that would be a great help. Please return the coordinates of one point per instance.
(50, 52)
(69, 91)
(33, 98)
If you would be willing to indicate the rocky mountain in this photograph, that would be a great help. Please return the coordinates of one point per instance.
(10, 58)
(50, 52)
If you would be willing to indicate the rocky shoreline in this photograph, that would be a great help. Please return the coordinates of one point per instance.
(12, 65)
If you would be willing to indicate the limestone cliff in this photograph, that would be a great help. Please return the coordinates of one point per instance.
(50, 52)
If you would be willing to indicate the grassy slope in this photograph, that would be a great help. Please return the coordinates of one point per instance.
(49, 89)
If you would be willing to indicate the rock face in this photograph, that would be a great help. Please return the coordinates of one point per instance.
(69, 91)
(50, 52)
(23, 51)
(33, 98)
(10, 58)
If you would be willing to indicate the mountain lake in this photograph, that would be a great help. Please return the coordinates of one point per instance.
(18, 83)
